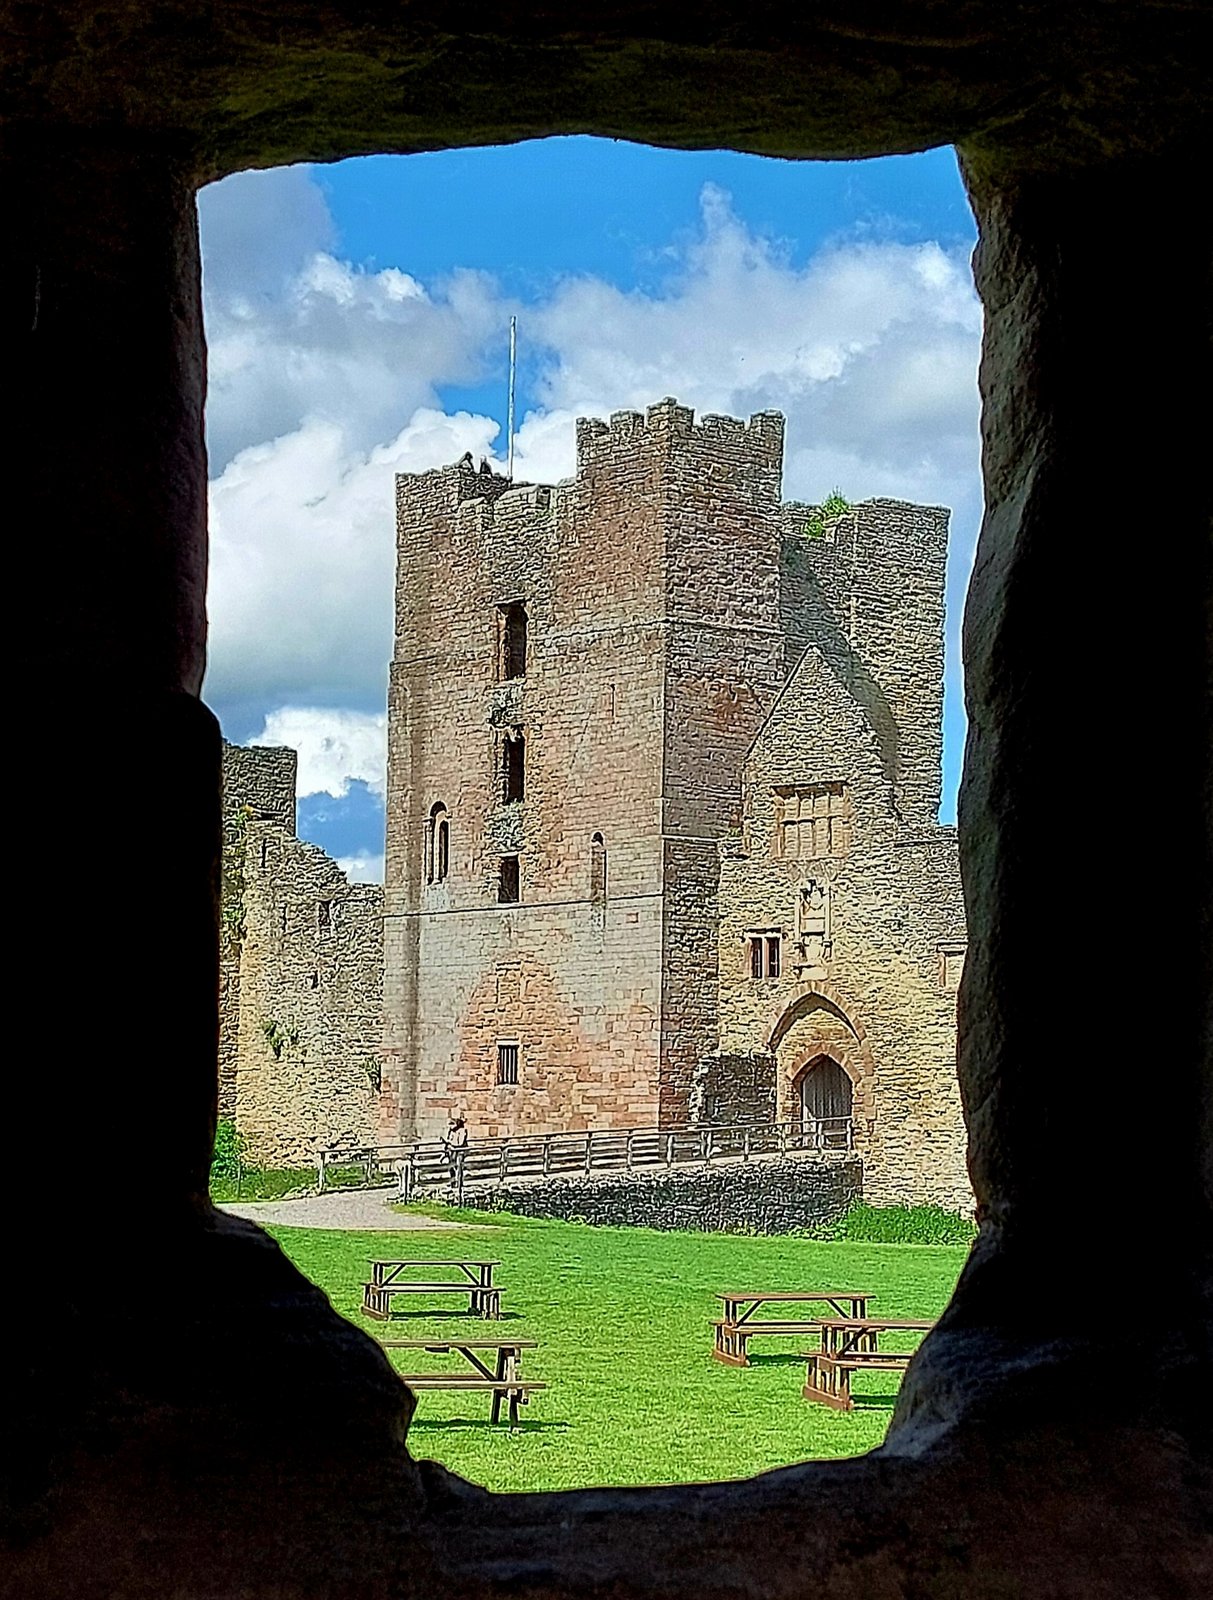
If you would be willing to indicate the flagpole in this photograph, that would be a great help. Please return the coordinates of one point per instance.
(509, 426)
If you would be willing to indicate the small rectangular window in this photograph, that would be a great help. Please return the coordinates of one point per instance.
(324, 916)
(765, 953)
(951, 964)
(507, 1062)
(509, 884)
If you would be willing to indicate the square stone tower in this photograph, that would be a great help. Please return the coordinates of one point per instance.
(578, 675)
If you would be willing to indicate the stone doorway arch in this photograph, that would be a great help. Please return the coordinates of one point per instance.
(826, 1098)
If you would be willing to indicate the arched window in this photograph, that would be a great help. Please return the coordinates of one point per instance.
(437, 844)
(826, 1102)
(598, 869)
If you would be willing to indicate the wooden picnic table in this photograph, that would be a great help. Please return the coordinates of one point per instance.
(388, 1280)
(503, 1379)
(739, 1322)
(852, 1344)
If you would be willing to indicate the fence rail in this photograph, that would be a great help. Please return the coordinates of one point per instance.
(425, 1165)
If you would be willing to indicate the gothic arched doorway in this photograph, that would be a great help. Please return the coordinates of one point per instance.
(826, 1101)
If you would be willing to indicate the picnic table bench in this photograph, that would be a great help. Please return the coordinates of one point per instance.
(502, 1379)
(852, 1344)
(739, 1324)
(387, 1282)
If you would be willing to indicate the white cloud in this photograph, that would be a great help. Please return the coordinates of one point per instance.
(364, 867)
(325, 380)
(335, 747)
(870, 351)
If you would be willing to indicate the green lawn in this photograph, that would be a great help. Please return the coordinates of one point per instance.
(623, 1319)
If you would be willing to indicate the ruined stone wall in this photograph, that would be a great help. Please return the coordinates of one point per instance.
(652, 585)
(300, 997)
(573, 983)
(258, 783)
(871, 931)
(720, 509)
(310, 1018)
(767, 1196)
(870, 596)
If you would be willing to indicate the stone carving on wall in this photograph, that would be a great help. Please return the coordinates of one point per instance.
(814, 941)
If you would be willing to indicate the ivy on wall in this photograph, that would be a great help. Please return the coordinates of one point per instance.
(231, 876)
(279, 1036)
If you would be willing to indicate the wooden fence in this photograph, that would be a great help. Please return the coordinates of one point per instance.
(422, 1166)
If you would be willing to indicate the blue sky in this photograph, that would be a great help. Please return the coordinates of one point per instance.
(357, 317)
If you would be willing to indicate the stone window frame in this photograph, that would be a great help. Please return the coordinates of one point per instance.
(437, 843)
(839, 821)
(512, 766)
(598, 869)
(1054, 159)
(760, 943)
(945, 949)
(509, 879)
(509, 1063)
(326, 917)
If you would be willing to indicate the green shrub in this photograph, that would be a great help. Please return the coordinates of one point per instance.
(227, 1163)
(231, 1179)
(904, 1225)
(833, 506)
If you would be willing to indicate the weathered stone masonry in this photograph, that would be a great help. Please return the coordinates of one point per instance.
(301, 976)
(588, 825)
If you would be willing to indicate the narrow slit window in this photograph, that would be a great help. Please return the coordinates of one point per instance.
(514, 768)
(324, 916)
(755, 958)
(598, 869)
(513, 637)
(507, 1061)
(772, 957)
(509, 882)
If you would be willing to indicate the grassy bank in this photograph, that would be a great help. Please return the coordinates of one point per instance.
(623, 1319)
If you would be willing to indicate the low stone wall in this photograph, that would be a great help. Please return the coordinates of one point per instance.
(761, 1196)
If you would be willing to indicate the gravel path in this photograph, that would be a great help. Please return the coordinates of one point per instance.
(359, 1210)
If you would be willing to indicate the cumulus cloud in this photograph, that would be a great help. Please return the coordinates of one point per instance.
(335, 747)
(870, 350)
(364, 867)
(327, 379)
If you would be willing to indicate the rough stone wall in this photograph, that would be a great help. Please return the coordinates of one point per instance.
(870, 964)
(652, 589)
(736, 1088)
(870, 596)
(767, 1196)
(312, 986)
(690, 653)
(300, 986)
(258, 783)
(574, 984)
(722, 536)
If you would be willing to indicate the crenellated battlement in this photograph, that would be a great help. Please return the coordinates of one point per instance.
(756, 444)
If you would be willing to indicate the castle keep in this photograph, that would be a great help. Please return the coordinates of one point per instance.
(663, 780)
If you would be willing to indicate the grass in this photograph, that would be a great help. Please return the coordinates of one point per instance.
(623, 1319)
(252, 1184)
